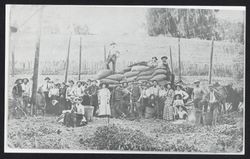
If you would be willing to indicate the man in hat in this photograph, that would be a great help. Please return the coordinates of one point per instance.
(213, 104)
(79, 92)
(70, 94)
(26, 93)
(197, 95)
(92, 91)
(62, 93)
(135, 105)
(112, 56)
(153, 62)
(117, 102)
(17, 93)
(179, 90)
(45, 89)
(164, 63)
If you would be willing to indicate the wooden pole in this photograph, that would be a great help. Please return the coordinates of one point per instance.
(179, 59)
(36, 66)
(171, 60)
(211, 62)
(80, 59)
(105, 53)
(11, 40)
(67, 61)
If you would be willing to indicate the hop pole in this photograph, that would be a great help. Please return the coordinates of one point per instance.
(36, 66)
(211, 62)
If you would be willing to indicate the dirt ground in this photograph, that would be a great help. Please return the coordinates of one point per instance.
(45, 133)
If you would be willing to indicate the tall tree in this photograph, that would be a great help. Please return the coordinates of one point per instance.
(188, 23)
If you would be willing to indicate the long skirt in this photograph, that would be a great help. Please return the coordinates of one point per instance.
(168, 113)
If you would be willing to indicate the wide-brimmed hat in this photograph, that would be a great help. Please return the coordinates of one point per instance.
(77, 99)
(26, 79)
(79, 82)
(216, 84)
(113, 43)
(164, 57)
(71, 81)
(47, 78)
(17, 80)
(197, 81)
(155, 58)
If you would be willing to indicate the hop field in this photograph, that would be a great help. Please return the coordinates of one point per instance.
(118, 134)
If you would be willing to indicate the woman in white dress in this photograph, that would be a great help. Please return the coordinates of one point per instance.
(104, 101)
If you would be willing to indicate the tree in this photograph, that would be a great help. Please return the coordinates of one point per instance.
(188, 23)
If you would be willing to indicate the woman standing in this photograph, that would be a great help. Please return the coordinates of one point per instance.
(168, 113)
(104, 101)
(162, 98)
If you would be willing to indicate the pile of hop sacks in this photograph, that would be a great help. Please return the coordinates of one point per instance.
(138, 73)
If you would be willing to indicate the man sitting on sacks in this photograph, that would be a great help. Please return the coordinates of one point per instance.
(152, 63)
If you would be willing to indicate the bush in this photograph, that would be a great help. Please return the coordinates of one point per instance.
(117, 138)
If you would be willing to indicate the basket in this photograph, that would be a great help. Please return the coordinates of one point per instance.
(88, 112)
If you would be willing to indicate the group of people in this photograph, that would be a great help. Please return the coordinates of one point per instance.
(125, 100)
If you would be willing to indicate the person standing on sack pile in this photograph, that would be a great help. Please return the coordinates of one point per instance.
(92, 91)
(45, 89)
(168, 111)
(17, 94)
(112, 56)
(70, 94)
(154, 89)
(26, 94)
(116, 107)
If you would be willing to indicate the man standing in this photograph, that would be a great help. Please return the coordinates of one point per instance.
(92, 91)
(70, 94)
(135, 108)
(79, 92)
(26, 94)
(197, 95)
(154, 90)
(117, 95)
(17, 94)
(45, 90)
(113, 55)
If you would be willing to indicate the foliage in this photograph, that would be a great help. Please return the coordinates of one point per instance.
(192, 23)
(188, 23)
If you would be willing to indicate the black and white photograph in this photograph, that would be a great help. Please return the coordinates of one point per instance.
(125, 79)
